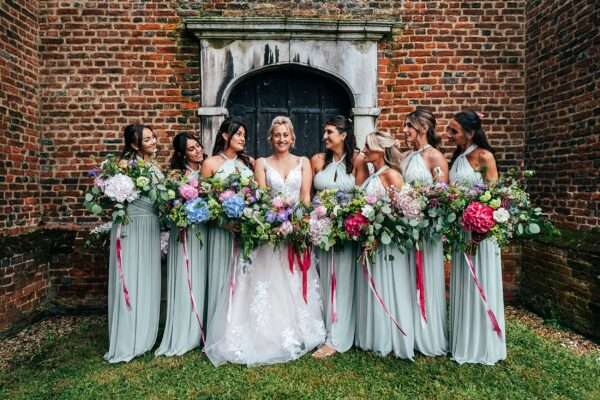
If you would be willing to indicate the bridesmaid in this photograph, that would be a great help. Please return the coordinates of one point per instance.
(425, 164)
(228, 157)
(337, 168)
(472, 339)
(182, 328)
(375, 330)
(132, 331)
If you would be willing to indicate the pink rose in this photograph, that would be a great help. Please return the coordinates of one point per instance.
(286, 228)
(478, 218)
(226, 194)
(193, 182)
(188, 192)
(371, 199)
(100, 183)
(354, 223)
(321, 211)
(278, 202)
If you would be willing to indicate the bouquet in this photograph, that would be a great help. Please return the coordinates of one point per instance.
(325, 227)
(410, 223)
(120, 182)
(503, 211)
(187, 202)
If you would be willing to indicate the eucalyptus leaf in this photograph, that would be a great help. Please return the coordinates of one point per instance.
(96, 209)
(534, 229)
(451, 217)
(385, 238)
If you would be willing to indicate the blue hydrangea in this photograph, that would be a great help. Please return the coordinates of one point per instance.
(234, 206)
(343, 197)
(271, 217)
(197, 211)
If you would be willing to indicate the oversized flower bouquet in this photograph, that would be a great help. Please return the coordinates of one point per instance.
(409, 220)
(120, 182)
(326, 222)
(502, 211)
(186, 203)
(229, 197)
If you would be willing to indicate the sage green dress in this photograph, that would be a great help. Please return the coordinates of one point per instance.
(340, 334)
(182, 330)
(375, 330)
(472, 339)
(220, 244)
(430, 336)
(132, 332)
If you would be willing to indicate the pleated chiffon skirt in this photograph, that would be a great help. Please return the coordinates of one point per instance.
(182, 331)
(340, 334)
(375, 331)
(472, 339)
(133, 332)
(431, 337)
(219, 250)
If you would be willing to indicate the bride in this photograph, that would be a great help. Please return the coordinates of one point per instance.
(266, 320)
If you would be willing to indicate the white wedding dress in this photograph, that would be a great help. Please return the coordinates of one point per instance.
(268, 321)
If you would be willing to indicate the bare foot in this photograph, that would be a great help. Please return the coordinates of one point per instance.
(324, 352)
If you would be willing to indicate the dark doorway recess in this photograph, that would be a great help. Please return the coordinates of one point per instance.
(305, 95)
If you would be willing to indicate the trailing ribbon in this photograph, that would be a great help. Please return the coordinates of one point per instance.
(304, 264)
(333, 289)
(371, 282)
(482, 296)
(233, 262)
(186, 259)
(420, 285)
(291, 257)
(120, 267)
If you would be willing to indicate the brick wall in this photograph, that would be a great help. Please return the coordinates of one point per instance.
(19, 117)
(561, 278)
(563, 109)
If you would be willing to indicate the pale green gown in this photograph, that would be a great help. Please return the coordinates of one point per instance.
(430, 336)
(182, 330)
(340, 334)
(375, 331)
(472, 339)
(133, 332)
(220, 247)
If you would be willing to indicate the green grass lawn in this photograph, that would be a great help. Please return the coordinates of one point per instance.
(72, 367)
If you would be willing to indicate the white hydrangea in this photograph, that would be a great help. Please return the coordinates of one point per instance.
(501, 215)
(120, 188)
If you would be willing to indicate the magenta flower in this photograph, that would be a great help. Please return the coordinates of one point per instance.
(478, 217)
(354, 224)
(188, 192)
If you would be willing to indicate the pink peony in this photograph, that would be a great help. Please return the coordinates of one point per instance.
(321, 211)
(193, 182)
(226, 194)
(188, 192)
(478, 218)
(278, 202)
(354, 223)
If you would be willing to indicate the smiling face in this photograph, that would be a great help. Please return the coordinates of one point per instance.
(410, 134)
(281, 138)
(149, 141)
(372, 154)
(457, 134)
(332, 138)
(237, 142)
(194, 153)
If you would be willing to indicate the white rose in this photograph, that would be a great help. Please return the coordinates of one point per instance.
(501, 215)
(142, 181)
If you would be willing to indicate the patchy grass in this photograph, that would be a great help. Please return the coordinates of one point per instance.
(71, 367)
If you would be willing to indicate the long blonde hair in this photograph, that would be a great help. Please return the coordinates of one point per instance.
(386, 143)
(282, 120)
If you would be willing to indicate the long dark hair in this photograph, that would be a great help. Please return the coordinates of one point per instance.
(470, 122)
(133, 135)
(343, 125)
(179, 148)
(423, 120)
(230, 126)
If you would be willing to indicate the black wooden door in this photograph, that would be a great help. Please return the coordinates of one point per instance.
(306, 97)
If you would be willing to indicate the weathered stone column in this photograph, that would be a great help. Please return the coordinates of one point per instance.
(210, 120)
(364, 119)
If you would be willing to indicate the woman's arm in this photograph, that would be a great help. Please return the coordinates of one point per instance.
(361, 171)
(307, 176)
(392, 179)
(259, 173)
(487, 163)
(438, 165)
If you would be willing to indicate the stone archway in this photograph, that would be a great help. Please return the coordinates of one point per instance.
(230, 48)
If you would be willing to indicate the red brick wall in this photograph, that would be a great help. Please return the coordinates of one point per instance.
(563, 109)
(561, 278)
(19, 117)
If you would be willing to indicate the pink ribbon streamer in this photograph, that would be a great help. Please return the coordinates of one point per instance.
(333, 290)
(303, 261)
(371, 282)
(420, 285)
(482, 296)
(290, 254)
(120, 267)
(233, 262)
(186, 258)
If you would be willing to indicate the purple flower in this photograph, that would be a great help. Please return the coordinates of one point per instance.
(270, 217)
(342, 197)
(93, 173)
(283, 215)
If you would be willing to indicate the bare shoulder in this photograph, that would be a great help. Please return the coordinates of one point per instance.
(358, 158)
(436, 155)
(392, 178)
(485, 156)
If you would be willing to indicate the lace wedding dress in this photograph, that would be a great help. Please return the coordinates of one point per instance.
(267, 320)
